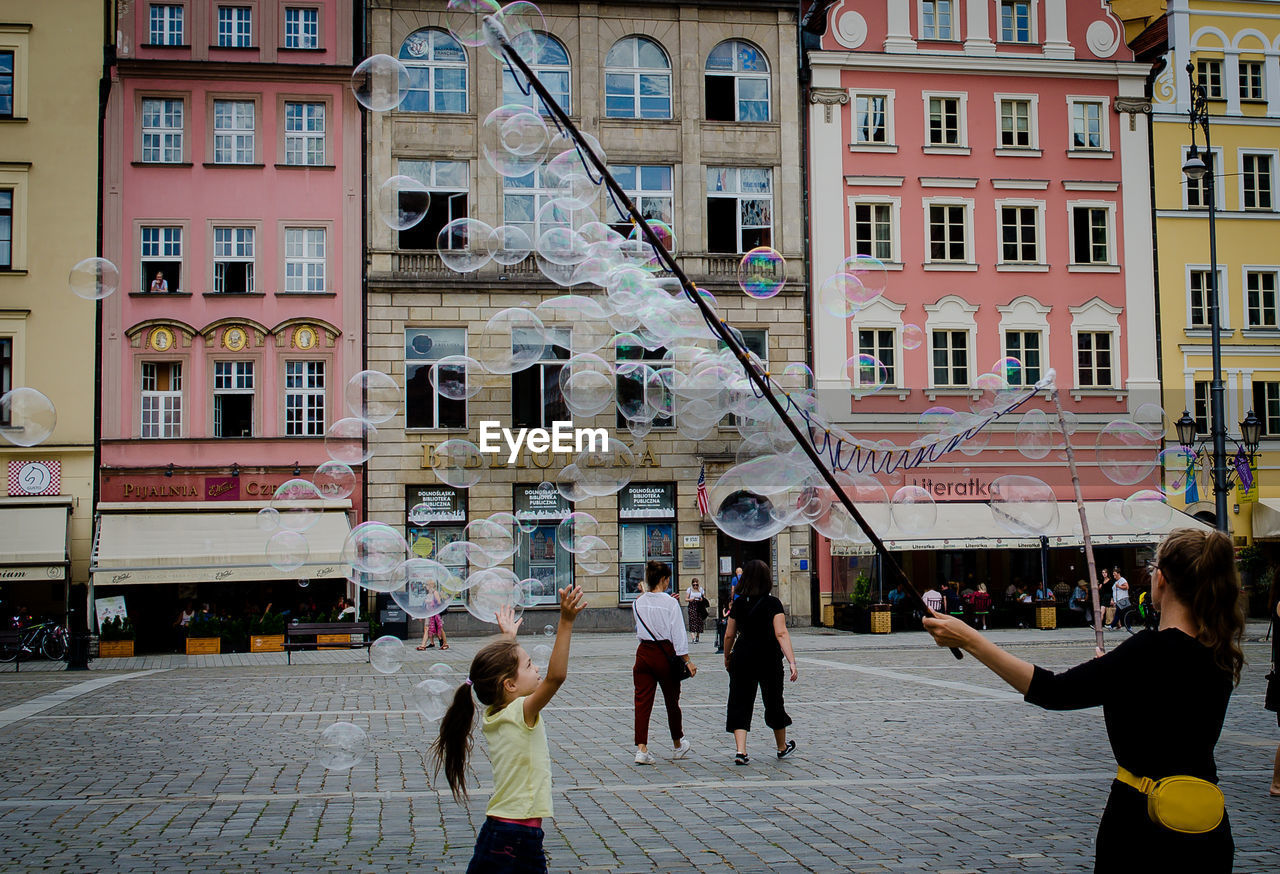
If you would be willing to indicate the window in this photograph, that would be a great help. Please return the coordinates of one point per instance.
(650, 188)
(162, 131)
(549, 61)
(1019, 241)
(880, 343)
(235, 27)
(1086, 125)
(1015, 21)
(637, 80)
(1015, 124)
(947, 233)
(523, 198)
(166, 25)
(647, 523)
(536, 398)
(1209, 77)
(161, 399)
(161, 254)
(301, 28)
(6, 376)
(1093, 359)
(944, 121)
(935, 19)
(448, 182)
(233, 260)
(539, 556)
(437, 65)
(304, 259)
(425, 407)
(1257, 181)
(6, 228)
(635, 384)
(1251, 81)
(951, 358)
(1198, 287)
(1091, 241)
(304, 133)
(1266, 403)
(233, 399)
(871, 119)
(756, 341)
(1198, 189)
(6, 84)
(737, 83)
(1200, 403)
(233, 131)
(1024, 346)
(739, 209)
(873, 230)
(1260, 299)
(304, 399)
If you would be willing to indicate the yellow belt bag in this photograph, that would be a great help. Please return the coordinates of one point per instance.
(1182, 804)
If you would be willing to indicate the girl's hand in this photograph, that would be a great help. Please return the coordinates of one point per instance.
(507, 621)
(949, 631)
(795, 673)
(572, 602)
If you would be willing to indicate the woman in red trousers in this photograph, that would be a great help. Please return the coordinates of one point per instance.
(660, 629)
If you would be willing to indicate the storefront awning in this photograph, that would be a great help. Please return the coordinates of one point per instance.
(204, 547)
(1266, 519)
(33, 541)
(972, 526)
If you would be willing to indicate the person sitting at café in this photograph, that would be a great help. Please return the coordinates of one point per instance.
(1079, 603)
(951, 599)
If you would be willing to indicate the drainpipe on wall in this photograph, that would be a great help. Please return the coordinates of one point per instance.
(1148, 91)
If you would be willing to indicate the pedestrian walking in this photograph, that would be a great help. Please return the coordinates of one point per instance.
(503, 678)
(660, 630)
(755, 642)
(433, 630)
(1187, 670)
(697, 601)
(722, 622)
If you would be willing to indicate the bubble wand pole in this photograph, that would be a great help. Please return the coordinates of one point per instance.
(497, 36)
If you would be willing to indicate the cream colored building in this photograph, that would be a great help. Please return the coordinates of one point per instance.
(51, 56)
(743, 118)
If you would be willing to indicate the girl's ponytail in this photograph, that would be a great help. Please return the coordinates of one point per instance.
(1201, 570)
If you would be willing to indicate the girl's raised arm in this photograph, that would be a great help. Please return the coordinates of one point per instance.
(572, 602)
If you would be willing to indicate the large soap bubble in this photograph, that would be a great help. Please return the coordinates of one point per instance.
(386, 654)
(335, 480)
(1024, 505)
(299, 504)
(350, 441)
(497, 540)
(1127, 453)
(914, 510)
(593, 554)
(513, 139)
(94, 279)
(1036, 434)
(287, 550)
(871, 274)
(432, 697)
(457, 377)
(402, 202)
(1147, 510)
(375, 548)
(509, 244)
(457, 463)
(427, 587)
(373, 396)
(838, 295)
(492, 589)
(380, 83)
(762, 272)
(513, 340)
(912, 336)
(575, 525)
(30, 414)
(342, 746)
(463, 245)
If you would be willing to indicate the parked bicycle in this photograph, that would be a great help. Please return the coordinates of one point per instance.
(1142, 615)
(48, 639)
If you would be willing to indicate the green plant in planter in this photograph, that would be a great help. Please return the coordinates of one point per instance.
(860, 597)
(268, 623)
(118, 628)
(204, 626)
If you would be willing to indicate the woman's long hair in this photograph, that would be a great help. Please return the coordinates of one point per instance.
(756, 580)
(495, 663)
(655, 572)
(1200, 567)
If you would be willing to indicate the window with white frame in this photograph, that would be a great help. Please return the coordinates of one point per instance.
(1256, 179)
(1198, 286)
(739, 209)
(948, 237)
(304, 399)
(162, 256)
(161, 398)
(233, 260)
(235, 27)
(935, 19)
(1087, 132)
(635, 382)
(880, 343)
(1251, 87)
(165, 22)
(162, 130)
(304, 125)
(304, 259)
(756, 341)
(946, 121)
(537, 399)
(549, 61)
(873, 230)
(872, 122)
(637, 80)
(1200, 405)
(1266, 404)
(1260, 299)
(737, 83)
(523, 199)
(1016, 123)
(6, 84)
(1019, 234)
(6, 229)
(650, 187)
(1198, 189)
(950, 359)
(1090, 235)
(233, 132)
(437, 65)
(425, 406)
(1026, 347)
(1016, 23)
(233, 399)
(1209, 77)
(301, 27)
(448, 182)
(1093, 360)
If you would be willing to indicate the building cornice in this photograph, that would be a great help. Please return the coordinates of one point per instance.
(218, 70)
(1021, 65)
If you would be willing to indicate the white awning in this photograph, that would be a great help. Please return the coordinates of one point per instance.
(33, 541)
(972, 526)
(205, 547)
(1266, 519)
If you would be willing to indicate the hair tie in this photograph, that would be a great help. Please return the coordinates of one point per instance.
(467, 681)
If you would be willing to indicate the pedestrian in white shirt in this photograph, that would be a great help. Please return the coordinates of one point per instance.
(660, 630)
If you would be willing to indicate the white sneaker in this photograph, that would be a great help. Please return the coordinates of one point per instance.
(683, 749)
(645, 758)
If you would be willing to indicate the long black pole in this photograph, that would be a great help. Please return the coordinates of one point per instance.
(719, 326)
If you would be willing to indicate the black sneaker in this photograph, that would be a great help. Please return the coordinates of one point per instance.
(791, 748)
(741, 759)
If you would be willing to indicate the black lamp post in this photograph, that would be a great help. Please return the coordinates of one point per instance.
(1251, 436)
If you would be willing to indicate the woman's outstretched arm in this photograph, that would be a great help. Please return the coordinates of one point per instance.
(949, 631)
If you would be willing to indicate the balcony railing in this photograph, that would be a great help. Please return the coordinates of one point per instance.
(427, 264)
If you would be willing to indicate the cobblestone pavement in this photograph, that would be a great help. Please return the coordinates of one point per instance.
(907, 761)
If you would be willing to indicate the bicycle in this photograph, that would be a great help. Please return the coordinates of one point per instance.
(44, 638)
(1142, 615)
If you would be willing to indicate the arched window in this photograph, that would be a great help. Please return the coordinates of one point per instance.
(549, 61)
(637, 80)
(737, 83)
(437, 72)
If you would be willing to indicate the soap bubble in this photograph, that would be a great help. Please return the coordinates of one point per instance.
(457, 377)
(490, 590)
(440, 669)
(380, 83)
(593, 554)
(386, 654)
(1010, 369)
(569, 484)
(509, 245)
(373, 396)
(866, 374)
(517, 19)
(914, 510)
(1147, 510)
(374, 548)
(268, 519)
(426, 587)
(94, 279)
(838, 295)
(572, 180)
(463, 245)
(1152, 418)
(540, 655)
(341, 746)
(870, 273)
(513, 139)
(402, 202)
(606, 471)
(302, 584)
(497, 540)
(350, 441)
(992, 382)
(30, 414)
(1126, 452)
(912, 336)
(458, 463)
(287, 550)
(1035, 435)
(762, 272)
(1024, 505)
(562, 246)
(513, 339)
(549, 630)
(587, 384)
(575, 526)
(297, 503)
(335, 480)
(1113, 512)
(432, 698)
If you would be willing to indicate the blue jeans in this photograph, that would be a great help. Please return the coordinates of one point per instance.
(505, 847)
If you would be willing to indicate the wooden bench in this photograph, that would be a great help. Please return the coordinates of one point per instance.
(11, 642)
(293, 633)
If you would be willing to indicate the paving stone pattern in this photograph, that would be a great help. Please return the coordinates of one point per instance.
(907, 761)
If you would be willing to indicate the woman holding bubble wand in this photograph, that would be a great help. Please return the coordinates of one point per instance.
(503, 678)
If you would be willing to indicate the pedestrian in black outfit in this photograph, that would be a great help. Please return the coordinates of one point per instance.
(1186, 670)
(722, 622)
(755, 641)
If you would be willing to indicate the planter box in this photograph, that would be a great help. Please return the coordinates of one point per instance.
(266, 643)
(115, 649)
(829, 615)
(881, 619)
(204, 645)
(322, 639)
(1046, 615)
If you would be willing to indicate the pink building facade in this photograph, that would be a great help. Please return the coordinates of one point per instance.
(233, 209)
(994, 156)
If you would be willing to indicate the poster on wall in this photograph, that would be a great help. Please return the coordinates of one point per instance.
(110, 608)
(632, 542)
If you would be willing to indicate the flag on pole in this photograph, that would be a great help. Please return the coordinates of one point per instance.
(704, 502)
(1193, 489)
(1243, 471)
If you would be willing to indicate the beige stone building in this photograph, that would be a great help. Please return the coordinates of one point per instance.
(696, 107)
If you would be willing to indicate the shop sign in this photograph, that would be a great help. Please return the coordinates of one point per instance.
(946, 490)
(40, 572)
(536, 503)
(110, 608)
(192, 488)
(647, 501)
(435, 504)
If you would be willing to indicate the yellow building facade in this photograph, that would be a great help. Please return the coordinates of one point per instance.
(50, 64)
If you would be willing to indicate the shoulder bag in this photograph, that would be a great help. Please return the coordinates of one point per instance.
(678, 667)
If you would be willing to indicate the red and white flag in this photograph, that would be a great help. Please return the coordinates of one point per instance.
(704, 502)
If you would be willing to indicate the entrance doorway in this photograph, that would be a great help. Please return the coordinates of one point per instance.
(739, 552)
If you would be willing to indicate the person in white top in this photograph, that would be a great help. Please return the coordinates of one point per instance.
(660, 630)
(697, 601)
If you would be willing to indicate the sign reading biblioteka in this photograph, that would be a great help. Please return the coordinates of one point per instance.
(647, 501)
